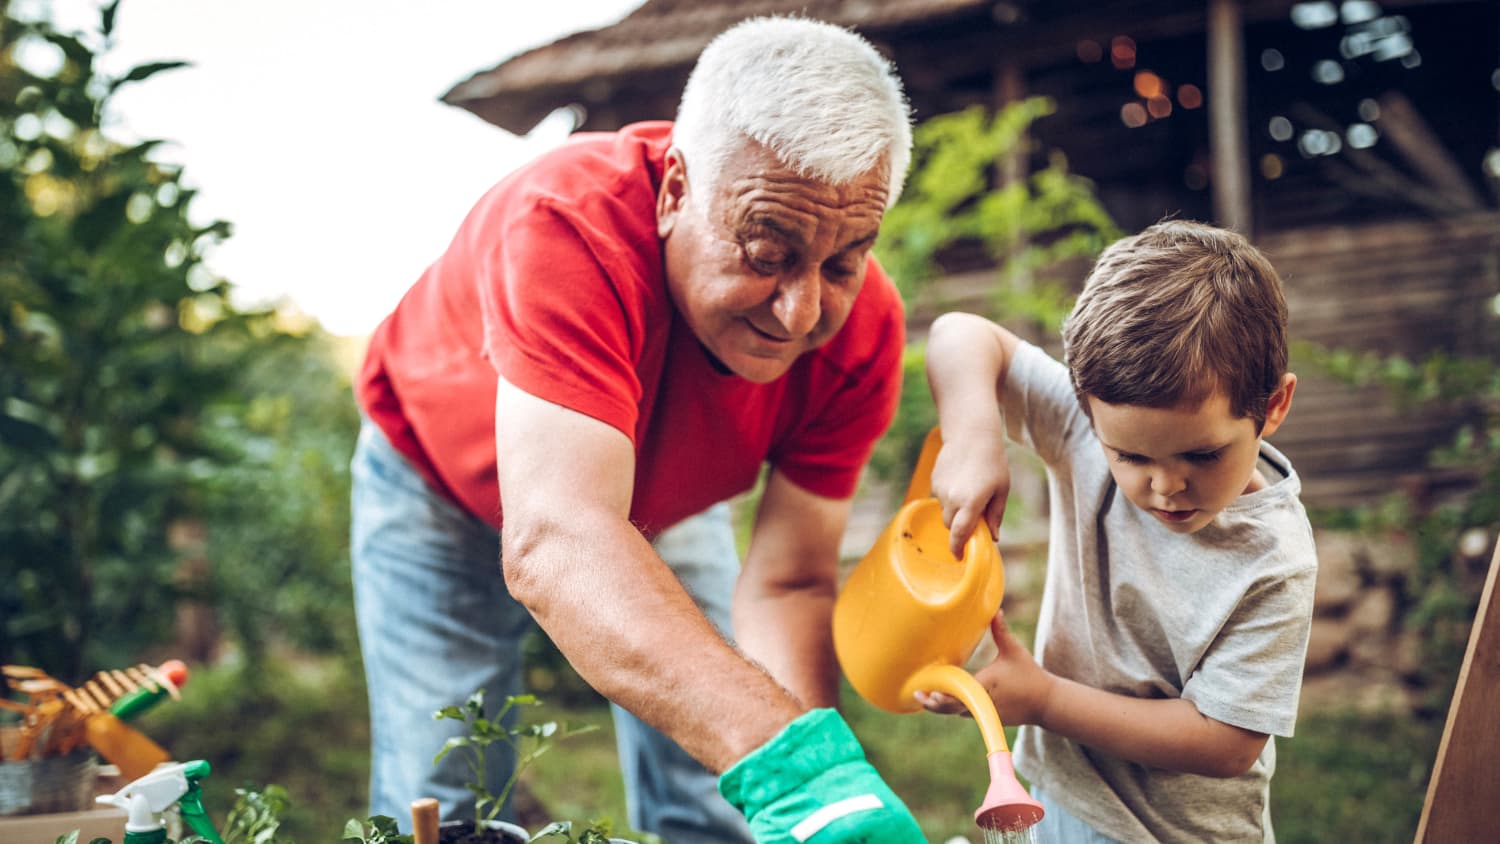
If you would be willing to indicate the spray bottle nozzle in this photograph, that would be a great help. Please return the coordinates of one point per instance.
(149, 796)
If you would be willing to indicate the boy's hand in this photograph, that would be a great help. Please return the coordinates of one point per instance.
(1018, 686)
(811, 784)
(971, 479)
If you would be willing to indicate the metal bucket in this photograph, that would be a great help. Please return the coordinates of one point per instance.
(53, 784)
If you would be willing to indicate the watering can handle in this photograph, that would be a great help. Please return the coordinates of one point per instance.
(921, 477)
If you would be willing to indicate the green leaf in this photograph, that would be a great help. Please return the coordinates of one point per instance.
(67, 838)
(354, 831)
(25, 436)
(554, 828)
(449, 745)
(145, 71)
(107, 18)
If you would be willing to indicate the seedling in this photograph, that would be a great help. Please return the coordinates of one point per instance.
(378, 829)
(527, 742)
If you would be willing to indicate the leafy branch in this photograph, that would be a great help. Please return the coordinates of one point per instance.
(526, 742)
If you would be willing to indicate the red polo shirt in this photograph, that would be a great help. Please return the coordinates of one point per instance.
(555, 281)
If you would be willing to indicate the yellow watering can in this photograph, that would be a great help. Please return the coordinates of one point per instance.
(910, 615)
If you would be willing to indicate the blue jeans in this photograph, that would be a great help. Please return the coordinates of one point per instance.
(436, 623)
(1058, 826)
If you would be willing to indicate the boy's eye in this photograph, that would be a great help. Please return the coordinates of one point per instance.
(1132, 459)
(1204, 456)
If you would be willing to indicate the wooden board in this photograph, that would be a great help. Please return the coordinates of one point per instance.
(1463, 798)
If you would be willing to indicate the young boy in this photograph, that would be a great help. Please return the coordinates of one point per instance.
(1180, 569)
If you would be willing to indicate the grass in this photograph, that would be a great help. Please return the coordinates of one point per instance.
(1352, 776)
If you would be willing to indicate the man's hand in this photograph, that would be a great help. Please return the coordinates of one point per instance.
(811, 784)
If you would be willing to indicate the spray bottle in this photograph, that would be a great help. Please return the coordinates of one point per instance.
(146, 798)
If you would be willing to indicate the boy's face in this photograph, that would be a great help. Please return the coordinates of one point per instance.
(1184, 464)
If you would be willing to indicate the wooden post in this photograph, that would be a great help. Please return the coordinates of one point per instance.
(1463, 797)
(1227, 134)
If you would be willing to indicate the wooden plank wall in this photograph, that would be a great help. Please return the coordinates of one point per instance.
(1408, 288)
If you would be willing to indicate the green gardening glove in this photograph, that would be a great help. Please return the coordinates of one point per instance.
(811, 784)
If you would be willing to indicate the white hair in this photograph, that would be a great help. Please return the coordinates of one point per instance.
(818, 96)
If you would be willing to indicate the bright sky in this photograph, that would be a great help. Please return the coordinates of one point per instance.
(314, 127)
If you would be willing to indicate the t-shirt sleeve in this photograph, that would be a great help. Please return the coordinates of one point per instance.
(558, 322)
(827, 452)
(1251, 676)
(1041, 409)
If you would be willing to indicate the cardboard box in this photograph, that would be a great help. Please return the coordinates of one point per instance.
(103, 822)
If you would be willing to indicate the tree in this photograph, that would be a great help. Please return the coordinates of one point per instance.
(1029, 230)
(128, 392)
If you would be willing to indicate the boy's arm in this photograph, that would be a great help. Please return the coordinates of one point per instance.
(1168, 733)
(968, 358)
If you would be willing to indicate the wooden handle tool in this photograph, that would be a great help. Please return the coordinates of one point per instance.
(424, 820)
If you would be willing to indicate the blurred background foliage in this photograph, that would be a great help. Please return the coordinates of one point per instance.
(173, 468)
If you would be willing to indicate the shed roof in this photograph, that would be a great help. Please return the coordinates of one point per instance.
(660, 35)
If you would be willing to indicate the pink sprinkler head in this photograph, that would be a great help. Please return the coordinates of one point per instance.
(1006, 807)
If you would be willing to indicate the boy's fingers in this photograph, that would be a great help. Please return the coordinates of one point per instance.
(995, 514)
(960, 530)
(941, 703)
(997, 626)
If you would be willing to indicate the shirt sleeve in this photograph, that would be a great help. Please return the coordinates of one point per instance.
(1251, 676)
(1041, 409)
(558, 321)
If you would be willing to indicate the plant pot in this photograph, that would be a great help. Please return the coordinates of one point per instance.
(52, 784)
(491, 832)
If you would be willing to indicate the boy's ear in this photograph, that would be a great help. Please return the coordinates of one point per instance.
(1279, 404)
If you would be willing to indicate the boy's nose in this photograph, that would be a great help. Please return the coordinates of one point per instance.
(1167, 484)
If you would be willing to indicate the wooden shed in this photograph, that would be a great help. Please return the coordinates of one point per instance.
(1357, 142)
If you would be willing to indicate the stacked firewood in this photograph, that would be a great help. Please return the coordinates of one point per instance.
(53, 715)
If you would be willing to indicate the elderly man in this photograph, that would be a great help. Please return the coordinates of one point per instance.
(623, 333)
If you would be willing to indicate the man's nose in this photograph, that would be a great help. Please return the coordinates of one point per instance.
(798, 304)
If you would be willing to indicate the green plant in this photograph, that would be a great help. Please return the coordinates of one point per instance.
(138, 403)
(1440, 593)
(255, 817)
(526, 742)
(1031, 231)
(379, 829)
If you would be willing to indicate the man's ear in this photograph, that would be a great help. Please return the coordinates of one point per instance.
(672, 195)
(1279, 404)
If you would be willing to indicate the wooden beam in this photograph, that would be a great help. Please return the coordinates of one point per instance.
(1227, 135)
(1425, 152)
(1463, 797)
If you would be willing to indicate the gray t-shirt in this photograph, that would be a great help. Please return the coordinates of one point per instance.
(1219, 617)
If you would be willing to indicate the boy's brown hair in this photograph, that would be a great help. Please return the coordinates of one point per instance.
(1174, 313)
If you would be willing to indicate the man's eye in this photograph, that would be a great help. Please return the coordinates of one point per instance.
(765, 258)
(840, 269)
